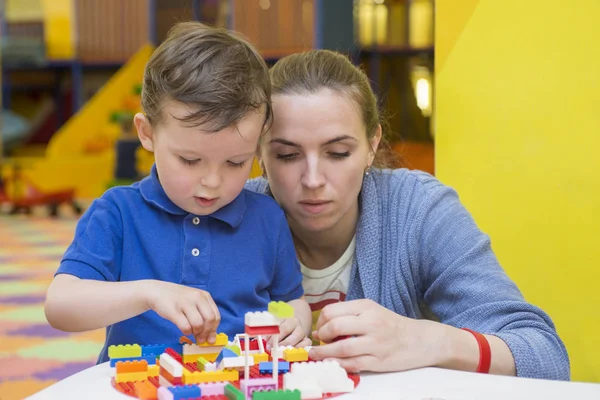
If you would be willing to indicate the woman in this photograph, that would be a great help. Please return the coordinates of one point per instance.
(419, 279)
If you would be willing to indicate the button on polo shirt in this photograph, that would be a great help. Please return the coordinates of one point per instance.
(242, 254)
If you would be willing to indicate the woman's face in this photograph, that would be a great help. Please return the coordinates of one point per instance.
(315, 156)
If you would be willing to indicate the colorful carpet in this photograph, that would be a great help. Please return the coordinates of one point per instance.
(33, 355)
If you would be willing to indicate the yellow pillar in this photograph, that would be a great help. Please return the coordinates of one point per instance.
(518, 135)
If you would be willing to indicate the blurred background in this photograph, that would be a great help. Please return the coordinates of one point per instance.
(71, 73)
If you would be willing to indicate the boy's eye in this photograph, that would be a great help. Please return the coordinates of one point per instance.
(286, 157)
(234, 164)
(188, 162)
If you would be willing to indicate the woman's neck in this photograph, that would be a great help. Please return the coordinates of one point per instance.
(320, 249)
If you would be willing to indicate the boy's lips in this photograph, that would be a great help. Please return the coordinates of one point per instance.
(205, 202)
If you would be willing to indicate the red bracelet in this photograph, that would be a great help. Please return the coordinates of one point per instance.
(485, 352)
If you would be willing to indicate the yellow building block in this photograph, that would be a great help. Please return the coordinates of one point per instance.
(292, 355)
(281, 309)
(222, 340)
(124, 351)
(192, 358)
(153, 370)
(190, 378)
(260, 357)
(132, 377)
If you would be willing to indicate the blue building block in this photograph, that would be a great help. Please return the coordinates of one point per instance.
(266, 367)
(225, 353)
(151, 358)
(158, 349)
(185, 392)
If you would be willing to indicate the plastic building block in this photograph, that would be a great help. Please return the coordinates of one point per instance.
(235, 349)
(153, 349)
(294, 355)
(212, 388)
(191, 352)
(235, 362)
(225, 353)
(257, 384)
(327, 376)
(173, 354)
(145, 390)
(185, 392)
(162, 381)
(221, 340)
(150, 359)
(124, 351)
(132, 377)
(124, 367)
(166, 376)
(267, 367)
(153, 370)
(261, 330)
(277, 395)
(261, 357)
(171, 365)
(281, 309)
(190, 378)
(233, 393)
(260, 318)
(253, 344)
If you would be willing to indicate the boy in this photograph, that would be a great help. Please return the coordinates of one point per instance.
(186, 249)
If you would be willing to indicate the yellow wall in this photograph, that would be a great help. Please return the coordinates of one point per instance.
(59, 28)
(518, 135)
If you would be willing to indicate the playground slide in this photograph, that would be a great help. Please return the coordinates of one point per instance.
(81, 154)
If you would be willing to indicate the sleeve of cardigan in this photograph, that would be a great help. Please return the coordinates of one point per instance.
(465, 286)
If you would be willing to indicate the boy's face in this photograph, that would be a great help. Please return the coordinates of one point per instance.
(201, 171)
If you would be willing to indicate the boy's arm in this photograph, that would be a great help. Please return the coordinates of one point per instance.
(76, 305)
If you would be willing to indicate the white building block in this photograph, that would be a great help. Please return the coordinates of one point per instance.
(308, 389)
(171, 365)
(235, 362)
(212, 388)
(260, 318)
(329, 376)
(163, 382)
(210, 367)
(164, 394)
(194, 349)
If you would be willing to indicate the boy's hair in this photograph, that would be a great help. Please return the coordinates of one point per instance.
(215, 72)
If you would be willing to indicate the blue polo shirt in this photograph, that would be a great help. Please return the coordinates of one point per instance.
(242, 254)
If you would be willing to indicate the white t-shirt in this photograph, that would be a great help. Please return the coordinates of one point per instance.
(329, 285)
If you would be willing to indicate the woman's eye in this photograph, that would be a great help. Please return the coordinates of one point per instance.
(339, 156)
(286, 157)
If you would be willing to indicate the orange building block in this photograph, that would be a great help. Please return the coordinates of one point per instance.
(125, 367)
(145, 390)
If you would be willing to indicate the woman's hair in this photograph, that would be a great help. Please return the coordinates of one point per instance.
(309, 72)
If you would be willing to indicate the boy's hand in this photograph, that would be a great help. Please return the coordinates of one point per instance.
(192, 310)
(291, 333)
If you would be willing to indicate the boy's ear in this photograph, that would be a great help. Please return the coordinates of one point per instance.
(144, 130)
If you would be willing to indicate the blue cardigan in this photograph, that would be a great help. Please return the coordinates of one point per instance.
(419, 252)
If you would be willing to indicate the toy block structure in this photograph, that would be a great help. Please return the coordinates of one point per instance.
(317, 377)
(295, 355)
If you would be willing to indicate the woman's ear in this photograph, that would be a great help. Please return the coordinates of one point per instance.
(374, 143)
(145, 131)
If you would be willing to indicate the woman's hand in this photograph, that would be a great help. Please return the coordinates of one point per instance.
(377, 339)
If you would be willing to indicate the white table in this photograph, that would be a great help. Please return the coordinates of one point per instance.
(427, 383)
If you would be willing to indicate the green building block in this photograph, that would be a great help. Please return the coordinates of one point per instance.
(235, 349)
(124, 351)
(281, 310)
(233, 393)
(277, 395)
